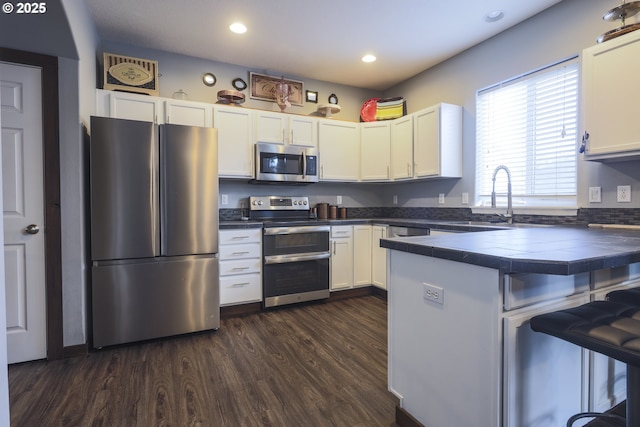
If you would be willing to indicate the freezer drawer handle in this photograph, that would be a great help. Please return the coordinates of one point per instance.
(281, 259)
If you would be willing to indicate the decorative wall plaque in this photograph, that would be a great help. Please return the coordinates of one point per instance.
(130, 74)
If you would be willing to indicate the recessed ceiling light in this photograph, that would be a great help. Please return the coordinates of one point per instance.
(368, 58)
(494, 16)
(238, 28)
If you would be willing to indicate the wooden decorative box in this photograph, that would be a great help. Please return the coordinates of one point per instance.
(130, 74)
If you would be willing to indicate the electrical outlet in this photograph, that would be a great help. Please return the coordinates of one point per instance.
(595, 194)
(395, 200)
(441, 198)
(624, 193)
(433, 293)
(465, 198)
(224, 199)
(338, 200)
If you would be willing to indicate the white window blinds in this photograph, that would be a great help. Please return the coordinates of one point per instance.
(529, 124)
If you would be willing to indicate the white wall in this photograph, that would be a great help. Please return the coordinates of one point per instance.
(557, 33)
(77, 103)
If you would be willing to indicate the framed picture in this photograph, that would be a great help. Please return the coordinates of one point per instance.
(312, 96)
(263, 88)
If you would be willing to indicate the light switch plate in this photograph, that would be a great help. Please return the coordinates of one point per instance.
(595, 194)
(465, 198)
(441, 198)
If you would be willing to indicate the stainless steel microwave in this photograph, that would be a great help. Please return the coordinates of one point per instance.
(286, 163)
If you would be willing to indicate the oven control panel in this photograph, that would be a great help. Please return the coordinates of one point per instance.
(279, 203)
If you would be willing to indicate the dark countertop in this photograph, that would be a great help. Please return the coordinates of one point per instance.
(550, 250)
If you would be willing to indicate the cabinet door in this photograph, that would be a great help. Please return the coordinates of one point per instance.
(271, 127)
(543, 382)
(610, 112)
(379, 257)
(134, 107)
(426, 147)
(402, 148)
(303, 131)
(188, 113)
(339, 146)
(362, 239)
(341, 263)
(437, 141)
(375, 149)
(235, 142)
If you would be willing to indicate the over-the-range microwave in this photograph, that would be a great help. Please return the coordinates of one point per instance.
(286, 163)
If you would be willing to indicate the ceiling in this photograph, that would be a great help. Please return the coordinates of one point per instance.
(321, 40)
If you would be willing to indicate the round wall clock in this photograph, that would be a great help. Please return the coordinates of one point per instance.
(333, 99)
(239, 84)
(208, 79)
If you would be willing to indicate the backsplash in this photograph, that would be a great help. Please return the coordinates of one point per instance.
(585, 216)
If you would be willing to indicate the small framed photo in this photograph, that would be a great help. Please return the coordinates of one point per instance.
(312, 96)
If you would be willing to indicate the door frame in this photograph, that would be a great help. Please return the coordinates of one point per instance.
(52, 217)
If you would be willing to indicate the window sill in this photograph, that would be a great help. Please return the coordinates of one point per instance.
(531, 210)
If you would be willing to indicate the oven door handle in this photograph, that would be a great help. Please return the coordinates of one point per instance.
(296, 230)
(282, 259)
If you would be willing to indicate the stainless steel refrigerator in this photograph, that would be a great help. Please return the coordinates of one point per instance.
(154, 230)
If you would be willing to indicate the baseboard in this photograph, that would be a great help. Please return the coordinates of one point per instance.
(240, 310)
(71, 351)
(404, 419)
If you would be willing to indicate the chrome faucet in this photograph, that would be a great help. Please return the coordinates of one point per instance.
(509, 215)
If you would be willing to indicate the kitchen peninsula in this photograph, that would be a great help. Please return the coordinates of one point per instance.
(461, 351)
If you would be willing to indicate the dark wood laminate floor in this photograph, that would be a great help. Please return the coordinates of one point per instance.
(320, 364)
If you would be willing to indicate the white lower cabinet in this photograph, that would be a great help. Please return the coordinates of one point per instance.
(351, 262)
(240, 266)
(341, 257)
(362, 240)
(378, 257)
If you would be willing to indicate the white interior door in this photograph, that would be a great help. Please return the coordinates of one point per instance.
(23, 200)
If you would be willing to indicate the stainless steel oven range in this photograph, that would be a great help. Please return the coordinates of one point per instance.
(295, 250)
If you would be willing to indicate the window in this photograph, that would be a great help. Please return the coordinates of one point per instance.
(529, 124)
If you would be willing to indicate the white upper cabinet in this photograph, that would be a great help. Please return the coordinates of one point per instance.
(303, 131)
(375, 149)
(610, 91)
(281, 128)
(188, 113)
(131, 106)
(402, 148)
(235, 141)
(339, 145)
(437, 142)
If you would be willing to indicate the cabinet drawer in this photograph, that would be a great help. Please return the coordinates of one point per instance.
(614, 276)
(243, 235)
(524, 289)
(251, 250)
(241, 266)
(240, 289)
(341, 231)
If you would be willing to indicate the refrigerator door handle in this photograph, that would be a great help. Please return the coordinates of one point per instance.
(155, 191)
